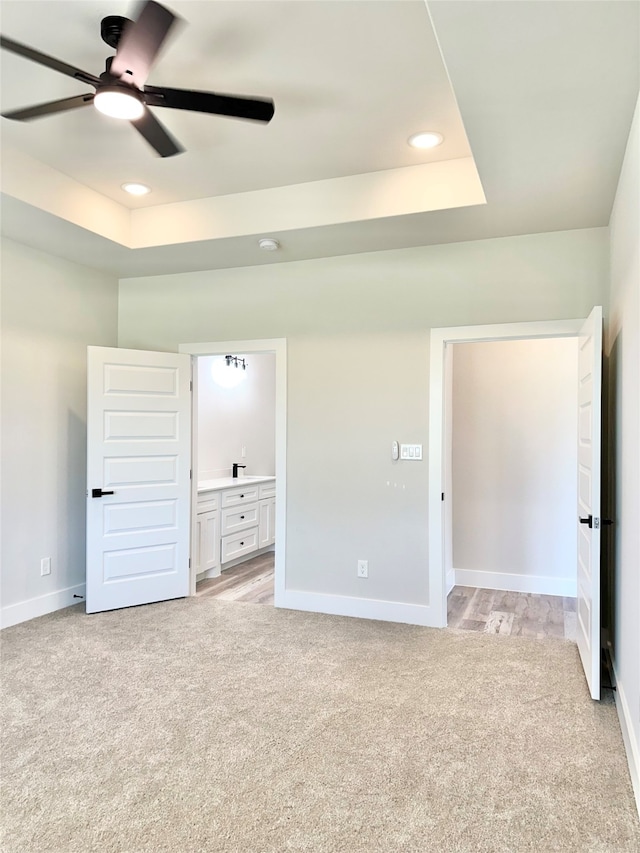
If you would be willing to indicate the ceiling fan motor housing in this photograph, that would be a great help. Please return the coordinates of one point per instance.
(111, 29)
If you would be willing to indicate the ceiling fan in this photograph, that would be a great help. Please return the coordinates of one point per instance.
(121, 90)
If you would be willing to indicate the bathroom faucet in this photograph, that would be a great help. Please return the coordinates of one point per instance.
(235, 470)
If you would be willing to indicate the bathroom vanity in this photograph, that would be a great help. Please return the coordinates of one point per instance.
(235, 520)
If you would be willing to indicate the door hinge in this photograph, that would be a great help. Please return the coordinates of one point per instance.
(191, 473)
(442, 497)
(189, 562)
(191, 385)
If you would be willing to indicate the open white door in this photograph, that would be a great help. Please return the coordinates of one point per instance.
(589, 428)
(138, 477)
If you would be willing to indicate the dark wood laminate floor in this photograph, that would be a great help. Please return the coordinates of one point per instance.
(511, 613)
(251, 581)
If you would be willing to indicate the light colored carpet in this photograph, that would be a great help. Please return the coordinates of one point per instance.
(199, 725)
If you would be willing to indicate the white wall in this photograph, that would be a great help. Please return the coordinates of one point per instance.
(51, 310)
(232, 418)
(622, 345)
(358, 367)
(514, 450)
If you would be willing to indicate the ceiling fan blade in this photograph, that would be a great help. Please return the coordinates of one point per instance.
(49, 108)
(256, 109)
(140, 43)
(157, 135)
(48, 61)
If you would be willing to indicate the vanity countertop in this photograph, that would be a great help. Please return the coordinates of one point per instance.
(231, 482)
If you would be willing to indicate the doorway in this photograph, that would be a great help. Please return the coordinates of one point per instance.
(440, 384)
(511, 462)
(239, 524)
(588, 439)
(234, 539)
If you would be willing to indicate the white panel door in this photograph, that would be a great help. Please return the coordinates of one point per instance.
(138, 477)
(589, 426)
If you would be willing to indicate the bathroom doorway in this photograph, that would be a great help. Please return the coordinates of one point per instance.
(239, 470)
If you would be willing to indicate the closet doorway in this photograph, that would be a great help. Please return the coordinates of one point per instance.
(586, 521)
(511, 480)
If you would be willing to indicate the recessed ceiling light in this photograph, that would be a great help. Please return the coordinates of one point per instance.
(426, 139)
(136, 189)
(268, 244)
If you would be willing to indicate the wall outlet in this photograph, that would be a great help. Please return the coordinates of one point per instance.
(45, 566)
(363, 568)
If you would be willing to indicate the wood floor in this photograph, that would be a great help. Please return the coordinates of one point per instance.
(512, 613)
(469, 609)
(251, 581)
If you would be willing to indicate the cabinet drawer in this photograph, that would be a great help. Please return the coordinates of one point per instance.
(238, 544)
(207, 502)
(239, 518)
(240, 496)
(267, 490)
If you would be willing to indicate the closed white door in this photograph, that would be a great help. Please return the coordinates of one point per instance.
(589, 522)
(138, 477)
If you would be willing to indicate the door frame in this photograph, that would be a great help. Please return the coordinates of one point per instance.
(278, 346)
(440, 371)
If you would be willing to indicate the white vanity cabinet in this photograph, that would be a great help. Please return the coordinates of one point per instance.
(207, 533)
(239, 522)
(233, 522)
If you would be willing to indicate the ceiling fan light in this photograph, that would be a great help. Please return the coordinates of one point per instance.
(116, 102)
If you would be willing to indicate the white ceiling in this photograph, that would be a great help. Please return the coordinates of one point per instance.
(545, 89)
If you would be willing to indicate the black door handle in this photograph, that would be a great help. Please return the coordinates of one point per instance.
(588, 520)
(98, 493)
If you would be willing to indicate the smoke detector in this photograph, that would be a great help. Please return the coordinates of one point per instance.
(268, 244)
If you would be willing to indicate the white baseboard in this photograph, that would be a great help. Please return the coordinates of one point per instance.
(13, 614)
(630, 743)
(360, 608)
(451, 580)
(517, 583)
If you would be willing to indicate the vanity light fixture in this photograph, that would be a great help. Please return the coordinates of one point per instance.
(229, 370)
(268, 244)
(236, 361)
(426, 139)
(136, 189)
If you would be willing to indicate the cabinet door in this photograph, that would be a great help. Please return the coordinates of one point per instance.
(267, 529)
(263, 528)
(210, 558)
(272, 521)
(198, 544)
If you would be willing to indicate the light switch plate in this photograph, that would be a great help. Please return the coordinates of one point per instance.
(411, 452)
